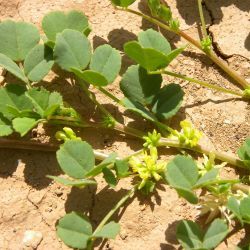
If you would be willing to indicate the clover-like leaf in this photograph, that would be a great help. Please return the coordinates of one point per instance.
(189, 234)
(38, 62)
(13, 95)
(74, 230)
(207, 178)
(45, 102)
(154, 40)
(12, 67)
(234, 206)
(138, 108)
(168, 101)
(76, 158)
(81, 183)
(148, 58)
(109, 177)
(139, 86)
(72, 50)
(17, 39)
(182, 174)
(244, 152)
(57, 21)
(24, 125)
(108, 231)
(215, 234)
(5, 126)
(122, 3)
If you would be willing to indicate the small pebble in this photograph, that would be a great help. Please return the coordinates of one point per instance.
(32, 239)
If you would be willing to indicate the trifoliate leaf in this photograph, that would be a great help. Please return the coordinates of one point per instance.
(17, 39)
(57, 21)
(38, 63)
(139, 86)
(76, 158)
(74, 230)
(24, 125)
(45, 102)
(168, 101)
(12, 67)
(72, 50)
(109, 231)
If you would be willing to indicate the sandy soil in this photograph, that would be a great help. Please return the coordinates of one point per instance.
(30, 201)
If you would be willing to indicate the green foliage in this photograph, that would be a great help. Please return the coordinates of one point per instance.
(121, 168)
(122, 3)
(57, 21)
(191, 236)
(152, 51)
(146, 97)
(109, 177)
(17, 39)
(104, 66)
(72, 50)
(38, 63)
(12, 67)
(81, 183)
(240, 208)
(244, 152)
(76, 231)
(76, 158)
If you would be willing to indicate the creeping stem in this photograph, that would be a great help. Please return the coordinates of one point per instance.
(203, 23)
(232, 73)
(202, 83)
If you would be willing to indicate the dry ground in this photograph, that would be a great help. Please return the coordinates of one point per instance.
(30, 201)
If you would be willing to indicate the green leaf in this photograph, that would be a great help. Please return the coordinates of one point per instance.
(182, 174)
(138, 108)
(189, 235)
(122, 3)
(244, 209)
(168, 101)
(207, 178)
(57, 21)
(173, 54)
(13, 95)
(215, 234)
(122, 168)
(17, 39)
(45, 102)
(98, 169)
(12, 67)
(155, 6)
(24, 125)
(106, 61)
(74, 230)
(72, 50)
(5, 126)
(91, 77)
(234, 206)
(109, 177)
(76, 158)
(154, 40)
(139, 86)
(148, 58)
(244, 152)
(72, 183)
(109, 231)
(38, 62)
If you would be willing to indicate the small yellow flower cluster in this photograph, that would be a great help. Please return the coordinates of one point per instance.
(152, 139)
(147, 166)
(188, 135)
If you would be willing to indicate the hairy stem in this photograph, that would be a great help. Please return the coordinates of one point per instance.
(202, 83)
(203, 23)
(232, 73)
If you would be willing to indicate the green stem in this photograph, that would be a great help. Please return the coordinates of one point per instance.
(108, 94)
(217, 182)
(203, 23)
(232, 73)
(111, 213)
(202, 83)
